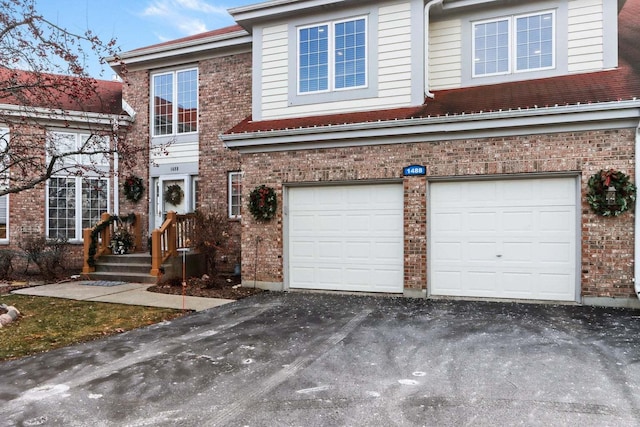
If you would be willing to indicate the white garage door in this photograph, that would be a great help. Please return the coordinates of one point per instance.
(347, 238)
(504, 239)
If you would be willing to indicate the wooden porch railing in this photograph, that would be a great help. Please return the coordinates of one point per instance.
(100, 246)
(176, 232)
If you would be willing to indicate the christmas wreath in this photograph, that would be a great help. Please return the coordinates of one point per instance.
(603, 199)
(263, 203)
(133, 188)
(173, 194)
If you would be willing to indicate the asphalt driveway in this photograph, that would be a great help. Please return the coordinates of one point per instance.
(303, 359)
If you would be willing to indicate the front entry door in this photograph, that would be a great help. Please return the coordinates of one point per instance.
(169, 199)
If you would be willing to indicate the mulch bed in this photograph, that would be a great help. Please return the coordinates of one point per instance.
(223, 285)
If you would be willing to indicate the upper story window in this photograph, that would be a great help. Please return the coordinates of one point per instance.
(514, 44)
(332, 56)
(175, 102)
(78, 149)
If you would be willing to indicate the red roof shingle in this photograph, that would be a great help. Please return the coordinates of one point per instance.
(40, 90)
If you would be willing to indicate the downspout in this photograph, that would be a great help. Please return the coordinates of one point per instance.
(636, 263)
(427, 8)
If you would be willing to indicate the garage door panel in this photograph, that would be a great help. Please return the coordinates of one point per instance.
(556, 252)
(480, 251)
(329, 250)
(357, 238)
(449, 280)
(554, 286)
(518, 285)
(358, 251)
(518, 229)
(481, 282)
(358, 223)
(302, 222)
(447, 221)
(518, 221)
(556, 220)
(447, 251)
(302, 249)
(481, 222)
(518, 251)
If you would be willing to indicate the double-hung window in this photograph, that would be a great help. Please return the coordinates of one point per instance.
(175, 102)
(235, 195)
(74, 200)
(514, 44)
(332, 56)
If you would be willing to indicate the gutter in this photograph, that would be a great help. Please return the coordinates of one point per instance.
(424, 129)
(427, 8)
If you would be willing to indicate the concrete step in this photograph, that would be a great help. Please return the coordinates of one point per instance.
(135, 258)
(123, 277)
(104, 267)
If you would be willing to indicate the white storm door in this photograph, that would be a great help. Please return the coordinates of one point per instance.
(162, 206)
(513, 239)
(347, 238)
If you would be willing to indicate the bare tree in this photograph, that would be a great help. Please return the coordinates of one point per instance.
(44, 83)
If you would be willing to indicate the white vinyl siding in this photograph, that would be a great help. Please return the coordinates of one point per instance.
(394, 47)
(585, 35)
(274, 68)
(445, 54)
(392, 78)
(175, 153)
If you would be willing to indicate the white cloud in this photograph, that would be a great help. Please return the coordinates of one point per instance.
(185, 17)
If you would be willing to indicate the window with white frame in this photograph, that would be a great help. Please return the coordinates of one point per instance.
(174, 102)
(235, 195)
(332, 56)
(514, 44)
(95, 149)
(74, 203)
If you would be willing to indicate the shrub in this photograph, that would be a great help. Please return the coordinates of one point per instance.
(211, 237)
(48, 255)
(6, 266)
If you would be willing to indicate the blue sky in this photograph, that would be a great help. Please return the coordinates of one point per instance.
(138, 23)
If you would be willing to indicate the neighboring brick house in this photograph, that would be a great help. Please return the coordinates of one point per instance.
(69, 201)
(510, 107)
(208, 76)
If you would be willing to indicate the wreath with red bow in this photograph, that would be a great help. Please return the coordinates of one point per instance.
(263, 203)
(600, 184)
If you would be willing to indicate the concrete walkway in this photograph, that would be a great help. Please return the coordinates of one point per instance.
(121, 293)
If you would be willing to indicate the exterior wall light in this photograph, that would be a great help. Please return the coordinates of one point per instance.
(611, 196)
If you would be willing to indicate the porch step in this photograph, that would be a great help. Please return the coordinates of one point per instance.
(127, 268)
(124, 277)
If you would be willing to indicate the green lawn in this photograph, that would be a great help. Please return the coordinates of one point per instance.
(49, 323)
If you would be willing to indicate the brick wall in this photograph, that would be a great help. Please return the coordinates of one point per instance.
(224, 99)
(135, 160)
(607, 243)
